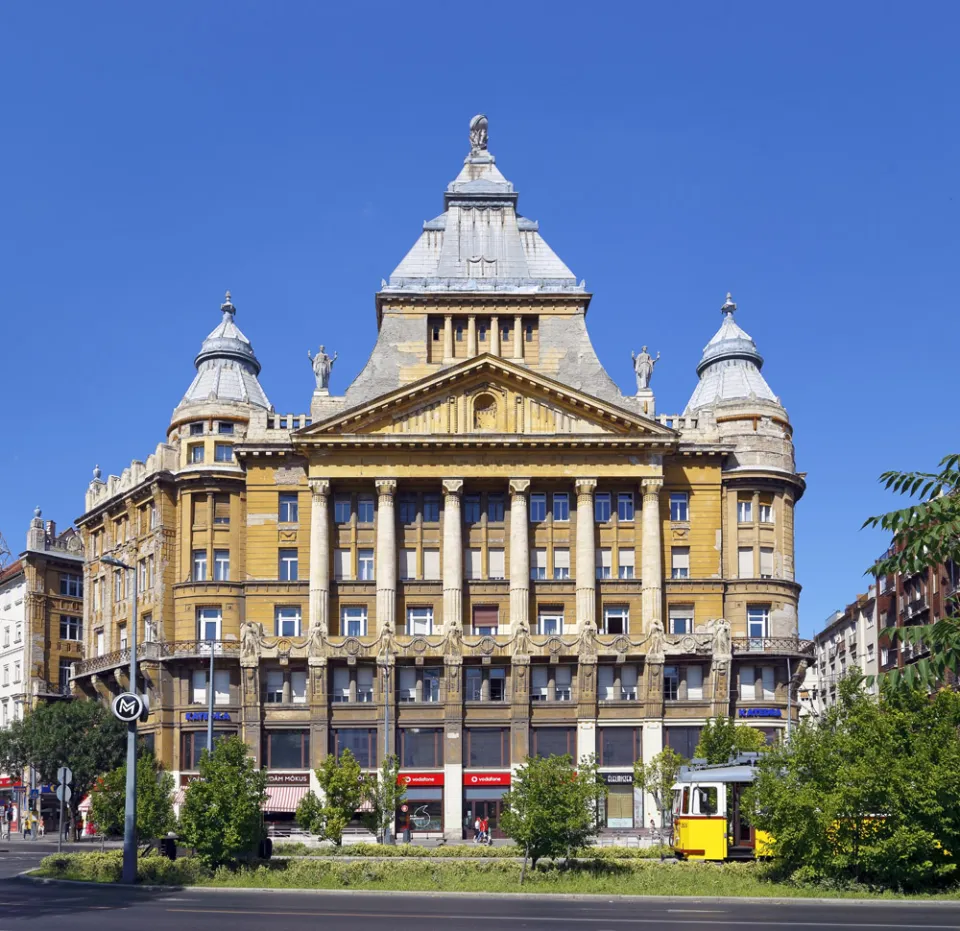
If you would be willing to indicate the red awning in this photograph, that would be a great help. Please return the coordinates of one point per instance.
(84, 806)
(179, 796)
(284, 798)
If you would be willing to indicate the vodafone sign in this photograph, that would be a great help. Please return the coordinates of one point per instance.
(420, 779)
(486, 779)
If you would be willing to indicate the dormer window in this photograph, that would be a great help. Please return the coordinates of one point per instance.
(225, 427)
(196, 429)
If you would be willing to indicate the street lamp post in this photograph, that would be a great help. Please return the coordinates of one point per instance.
(130, 807)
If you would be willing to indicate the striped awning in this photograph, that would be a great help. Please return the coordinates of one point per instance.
(284, 798)
(84, 806)
(179, 796)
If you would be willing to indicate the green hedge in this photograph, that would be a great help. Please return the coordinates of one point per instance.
(472, 851)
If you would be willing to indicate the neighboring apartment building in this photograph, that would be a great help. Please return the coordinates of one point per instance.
(482, 550)
(13, 614)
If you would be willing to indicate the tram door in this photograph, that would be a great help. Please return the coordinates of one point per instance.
(740, 830)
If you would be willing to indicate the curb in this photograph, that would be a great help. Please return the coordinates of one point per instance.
(548, 896)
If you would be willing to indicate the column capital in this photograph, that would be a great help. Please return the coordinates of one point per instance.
(386, 486)
(319, 487)
(452, 486)
(652, 486)
(585, 486)
(519, 486)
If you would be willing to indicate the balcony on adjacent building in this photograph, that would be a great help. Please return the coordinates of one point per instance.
(782, 646)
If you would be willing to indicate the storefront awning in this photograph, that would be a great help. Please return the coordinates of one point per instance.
(284, 798)
(179, 796)
(84, 806)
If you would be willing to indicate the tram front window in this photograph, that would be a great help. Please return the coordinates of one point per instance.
(707, 800)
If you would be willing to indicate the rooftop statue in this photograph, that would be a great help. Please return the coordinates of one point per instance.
(643, 368)
(478, 134)
(322, 366)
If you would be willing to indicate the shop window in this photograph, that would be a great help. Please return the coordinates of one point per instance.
(619, 806)
(193, 743)
(360, 741)
(421, 747)
(553, 741)
(286, 749)
(619, 746)
(683, 740)
(424, 810)
(486, 747)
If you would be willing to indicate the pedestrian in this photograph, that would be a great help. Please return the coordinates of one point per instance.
(7, 821)
(484, 830)
(41, 826)
(476, 829)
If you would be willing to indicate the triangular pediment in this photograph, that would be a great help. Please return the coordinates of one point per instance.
(485, 397)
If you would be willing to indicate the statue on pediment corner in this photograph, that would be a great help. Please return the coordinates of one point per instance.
(643, 364)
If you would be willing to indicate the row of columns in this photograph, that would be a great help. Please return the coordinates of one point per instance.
(472, 342)
(452, 572)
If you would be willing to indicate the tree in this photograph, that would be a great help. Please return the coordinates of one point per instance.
(551, 808)
(342, 784)
(81, 734)
(221, 816)
(869, 792)
(925, 535)
(154, 799)
(385, 793)
(658, 777)
(722, 738)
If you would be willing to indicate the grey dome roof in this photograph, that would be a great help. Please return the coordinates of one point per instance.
(227, 366)
(729, 368)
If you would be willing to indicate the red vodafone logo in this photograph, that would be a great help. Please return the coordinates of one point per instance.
(486, 779)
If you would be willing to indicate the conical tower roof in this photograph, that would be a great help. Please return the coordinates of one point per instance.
(227, 367)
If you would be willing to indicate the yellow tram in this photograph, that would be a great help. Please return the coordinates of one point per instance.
(708, 817)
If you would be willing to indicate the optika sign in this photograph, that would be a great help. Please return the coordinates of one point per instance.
(202, 715)
(486, 779)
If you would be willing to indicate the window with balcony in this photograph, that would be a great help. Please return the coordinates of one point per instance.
(680, 620)
(421, 747)
(625, 507)
(473, 563)
(485, 683)
(431, 509)
(550, 621)
(601, 507)
(407, 506)
(553, 741)
(538, 563)
(71, 627)
(471, 509)
(286, 749)
(604, 559)
(431, 564)
(360, 741)
(619, 746)
(365, 509)
(365, 565)
(289, 509)
(289, 565)
(486, 620)
(199, 569)
(617, 683)
(486, 747)
(353, 621)
(680, 562)
(420, 621)
(538, 508)
(616, 619)
(758, 624)
(419, 684)
(149, 629)
(745, 562)
(679, 506)
(208, 623)
(561, 563)
(287, 620)
(341, 509)
(221, 565)
(496, 566)
(626, 564)
(744, 510)
(561, 507)
(495, 509)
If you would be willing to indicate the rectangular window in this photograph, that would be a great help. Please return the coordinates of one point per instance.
(365, 509)
(196, 453)
(561, 563)
(616, 619)
(472, 563)
(681, 620)
(431, 509)
(496, 567)
(225, 428)
(486, 747)
(342, 565)
(538, 508)
(431, 564)
(154, 515)
(609, 690)
(671, 683)
(758, 622)
(408, 509)
(561, 506)
(223, 452)
(619, 746)
(289, 565)
(486, 619)
(766, 562)
(196, 429)
(421, 747)
(221, 565)
(748, 683)
(289, 509)
(550, 621)
(195, 742)
(341, 509)
(71, 585)
(198, 688)
(360, 741)
(122, 636)
(142, 575)
(341, 684)
(745, 562)
(495, 509)
(471, 509)
(66, 671)
(119, 581)
(625, 507)
(601, 507)
(679, 506)
(766, 512)
(604, 559)
(199, 566)
(563, 683)
(221, 686)
(274, 686)
(353, 621)
(420, 621)
(694, 683)
(365, 684)
(680, 562)
(287, 620)
(365, 565)
(428, 678)
(538, 563)
(626, 567)
(539, 683)
(286, 749)
(208, 623)
(71, 628)
(744, 510)
(408, 564)
(682, 740)
(553, 741)
(221, 509)
(100, 644)
(768, 681)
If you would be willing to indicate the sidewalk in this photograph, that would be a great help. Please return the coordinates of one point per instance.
(48, 844)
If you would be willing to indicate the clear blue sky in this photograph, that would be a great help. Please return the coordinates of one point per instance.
(803, 156)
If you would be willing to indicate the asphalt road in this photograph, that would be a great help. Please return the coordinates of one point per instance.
(81, 908)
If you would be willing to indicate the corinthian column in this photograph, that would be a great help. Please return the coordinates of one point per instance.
(319, 554)
(519, 555)
(386, 555)
(586, 555)
(452, 556)
(651, 567)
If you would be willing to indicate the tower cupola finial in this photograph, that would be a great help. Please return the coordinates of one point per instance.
(728, 305)
(227, 305)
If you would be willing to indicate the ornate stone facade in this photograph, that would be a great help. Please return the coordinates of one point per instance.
(482, 542)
